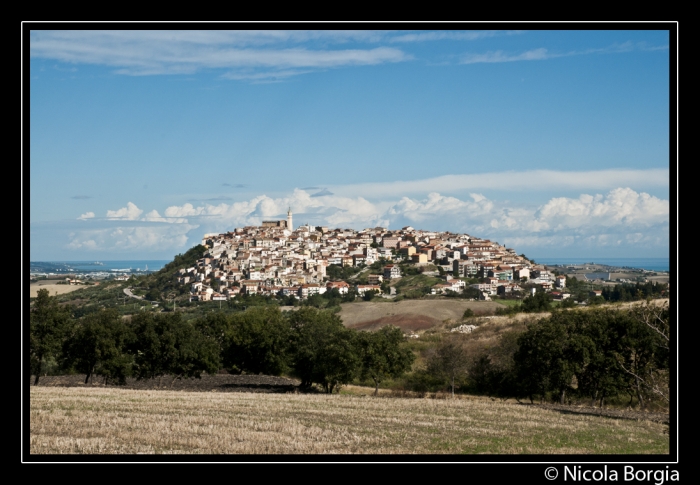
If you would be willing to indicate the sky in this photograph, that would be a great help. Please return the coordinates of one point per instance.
(555, 143)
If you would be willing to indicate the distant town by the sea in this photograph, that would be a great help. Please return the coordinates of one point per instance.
(649, 264)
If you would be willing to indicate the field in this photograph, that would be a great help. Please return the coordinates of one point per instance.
(410, 314)
(53, 288)
(115, 421)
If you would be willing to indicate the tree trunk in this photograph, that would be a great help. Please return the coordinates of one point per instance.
(594, 398)
(92, 372)
(562, 397)
(38, 371)
(376, 387)
(639, 395)
(453, 386)
(176, 378)
(87, 377)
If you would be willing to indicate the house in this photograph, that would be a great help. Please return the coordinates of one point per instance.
(419, 258)
(375, 279)
(341, 286)
(362, 289)
(392, 271)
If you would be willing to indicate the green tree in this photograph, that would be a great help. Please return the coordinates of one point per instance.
(322, 350)
(165, 344)
(48, 324)
(98, 346)
(449, 360)
(383, 354)
(539, 302)
(257, 341)
(551, 352)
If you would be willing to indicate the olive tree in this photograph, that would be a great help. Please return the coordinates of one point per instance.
(48, 324)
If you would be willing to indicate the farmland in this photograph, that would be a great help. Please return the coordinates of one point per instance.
(104, 420)
(410, 314)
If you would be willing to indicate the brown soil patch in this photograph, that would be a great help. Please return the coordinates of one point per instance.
(411, 314)
(408, 321)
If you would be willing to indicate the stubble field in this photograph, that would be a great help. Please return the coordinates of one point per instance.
(114, 421)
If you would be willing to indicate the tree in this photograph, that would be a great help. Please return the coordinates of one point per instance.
(551, 352)
(322, 350)
(539, 302)
(165, 344)
(382, 355)
(257, 341)
(644, 351)
(449, 360)
(98, 346)
(48, 324)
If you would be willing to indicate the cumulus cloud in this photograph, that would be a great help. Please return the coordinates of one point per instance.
(87, 215)
(130, 212)
(622, 206)
(156, 237)
(621, 217)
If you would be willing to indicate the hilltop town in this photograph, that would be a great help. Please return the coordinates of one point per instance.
(279, 260)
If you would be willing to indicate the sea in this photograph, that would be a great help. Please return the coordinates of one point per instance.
(129, 265)
(649, 264)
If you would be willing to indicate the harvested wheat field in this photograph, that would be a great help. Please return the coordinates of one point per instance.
(113, 421)
(54, 288)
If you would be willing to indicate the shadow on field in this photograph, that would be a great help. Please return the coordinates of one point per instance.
(607, 413)
(207, 383)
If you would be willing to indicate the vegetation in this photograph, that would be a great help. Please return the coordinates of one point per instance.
(448, 360)
(597, 354)
(594, 354)
(382, 355)
(48, 325)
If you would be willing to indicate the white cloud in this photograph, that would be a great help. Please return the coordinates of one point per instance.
(620, 217)
(130, 212)
(155, 237)
(87, 215)
(454, 35)
(622, 206)
(183, 52)
(542, 53)
(500, 56)
(513, 181)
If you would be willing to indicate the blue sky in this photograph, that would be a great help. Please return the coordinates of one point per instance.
(555, 143)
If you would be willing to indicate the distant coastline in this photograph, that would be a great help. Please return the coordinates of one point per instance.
(649, 264)
(94, 266)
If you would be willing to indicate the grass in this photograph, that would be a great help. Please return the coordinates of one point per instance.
(114, 421)
(509, 302)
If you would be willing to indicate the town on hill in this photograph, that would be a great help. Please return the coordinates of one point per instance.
(277, 259)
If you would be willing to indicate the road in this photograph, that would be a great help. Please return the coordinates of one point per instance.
(127, 292)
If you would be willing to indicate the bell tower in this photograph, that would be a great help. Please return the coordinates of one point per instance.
(289, 220)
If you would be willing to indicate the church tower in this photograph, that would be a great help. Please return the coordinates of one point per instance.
(289, 220)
